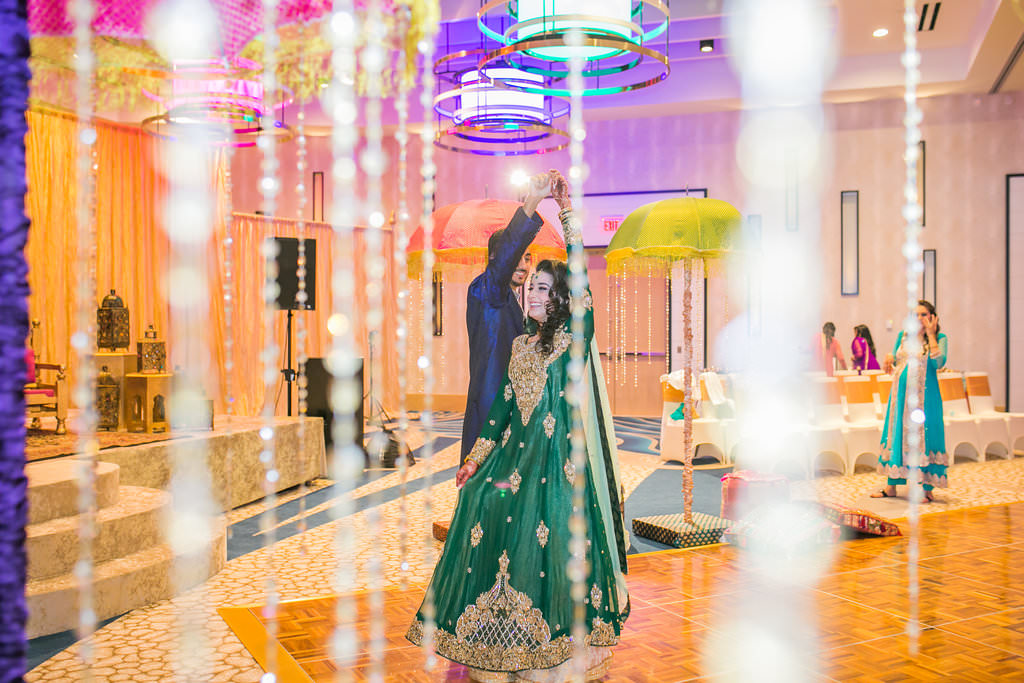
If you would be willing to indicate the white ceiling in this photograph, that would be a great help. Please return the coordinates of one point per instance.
(966, 49)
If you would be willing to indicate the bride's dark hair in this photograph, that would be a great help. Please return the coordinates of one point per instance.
(557, 306)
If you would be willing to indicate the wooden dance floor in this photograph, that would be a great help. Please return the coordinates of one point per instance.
(854, 612)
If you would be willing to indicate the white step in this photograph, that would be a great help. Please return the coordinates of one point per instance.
(120, 585)
(53, 488)
(130, 525)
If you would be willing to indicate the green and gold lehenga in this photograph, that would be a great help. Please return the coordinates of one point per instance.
(501, 588)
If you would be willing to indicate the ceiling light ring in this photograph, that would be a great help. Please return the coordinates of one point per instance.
(635, 27)
(556, 107)
(637, 34)
(522, 45)
(162, 126)
(442, 140)
(463, 135)
(559, 75)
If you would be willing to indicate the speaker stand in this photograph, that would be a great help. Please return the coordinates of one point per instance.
(288, 371)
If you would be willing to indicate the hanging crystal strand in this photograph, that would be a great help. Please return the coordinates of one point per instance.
(191, 522)
(916, 365)
(428, 170)
(346, 393)
(301, 297)
(84, 337)
(578, 562)
(269, 187)
(624, 374)
(667, 274)
(650, 313)
(400, 241)
(372, 162)
(636, 328)
(227, 293)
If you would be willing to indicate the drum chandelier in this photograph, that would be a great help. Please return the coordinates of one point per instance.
(220, 100)
(539, 37)
(495, 111)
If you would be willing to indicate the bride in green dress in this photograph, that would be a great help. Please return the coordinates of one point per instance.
(501, 589)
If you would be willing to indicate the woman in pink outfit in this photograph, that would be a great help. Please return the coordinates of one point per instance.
(862, 350)
(830, 354)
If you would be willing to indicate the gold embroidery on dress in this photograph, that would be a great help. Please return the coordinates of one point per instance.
(549, 425)
(542, 533)
(570, 471)
(505, 434)
(475, 534)
(508, 392)
(527, 370)
(514, 481)
(602, 634)
(503, 617)
(481, 449)
(596, 596)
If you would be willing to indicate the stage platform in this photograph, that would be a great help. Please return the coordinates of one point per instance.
(233, 446)
(132, 563)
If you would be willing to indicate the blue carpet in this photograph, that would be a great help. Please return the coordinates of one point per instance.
(661, 493)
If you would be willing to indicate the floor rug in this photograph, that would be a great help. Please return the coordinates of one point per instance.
(41, 444)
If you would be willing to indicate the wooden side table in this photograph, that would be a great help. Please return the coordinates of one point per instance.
(118, 364)
(147, 399)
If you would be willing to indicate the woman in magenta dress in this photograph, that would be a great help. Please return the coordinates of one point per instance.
(863, 350)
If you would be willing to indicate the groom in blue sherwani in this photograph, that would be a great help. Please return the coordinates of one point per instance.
(493, 314)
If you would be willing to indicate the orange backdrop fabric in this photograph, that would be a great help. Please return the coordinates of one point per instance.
(132, 254)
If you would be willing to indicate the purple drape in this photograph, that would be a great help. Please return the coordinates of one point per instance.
(14, 77)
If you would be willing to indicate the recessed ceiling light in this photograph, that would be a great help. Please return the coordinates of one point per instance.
(880, 32)
(707, 45)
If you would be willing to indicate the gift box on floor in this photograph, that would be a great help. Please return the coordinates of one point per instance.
(745, 490)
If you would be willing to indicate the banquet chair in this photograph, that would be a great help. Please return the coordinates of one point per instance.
(825, 431)
(883, 386)
(845, 373)
(46, 391)
(960, 426)
(705, 430)
(863, 431)
(993, 426)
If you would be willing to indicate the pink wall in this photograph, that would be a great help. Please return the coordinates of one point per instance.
(972, 141)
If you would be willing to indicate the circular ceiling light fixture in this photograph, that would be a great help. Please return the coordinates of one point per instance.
(613, 36)
(707, 45)
(476, 115)
(217, 102)
(880, 32)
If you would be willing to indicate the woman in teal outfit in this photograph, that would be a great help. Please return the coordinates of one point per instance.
(892, 462)
(501, 589)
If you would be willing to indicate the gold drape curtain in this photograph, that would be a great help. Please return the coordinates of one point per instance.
(132, 253)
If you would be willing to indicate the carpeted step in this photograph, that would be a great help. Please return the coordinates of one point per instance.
(53, 488)
(120, 585)
(130, 525)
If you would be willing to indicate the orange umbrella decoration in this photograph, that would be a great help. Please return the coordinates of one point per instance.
(656, 235)
(461, 232)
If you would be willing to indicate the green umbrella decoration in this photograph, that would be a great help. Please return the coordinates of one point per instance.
(652, 238)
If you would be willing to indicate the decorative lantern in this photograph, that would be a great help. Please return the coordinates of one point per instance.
(112, 323)
(152, 353)
(108, 400)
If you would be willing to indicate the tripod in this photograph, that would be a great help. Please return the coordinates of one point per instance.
(383, 444)
(288, 371)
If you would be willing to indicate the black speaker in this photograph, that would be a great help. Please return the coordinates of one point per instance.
(318, 403)
(288, 273)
